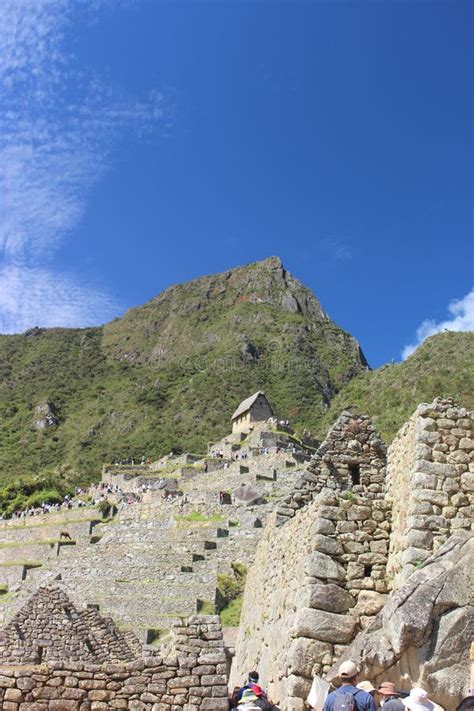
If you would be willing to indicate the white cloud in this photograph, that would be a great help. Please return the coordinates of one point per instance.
(58, 128)
(30, 297)
(461, 319)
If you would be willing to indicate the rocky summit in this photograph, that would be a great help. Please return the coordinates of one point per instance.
(167, 374)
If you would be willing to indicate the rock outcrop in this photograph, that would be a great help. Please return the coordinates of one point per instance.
(422, 635)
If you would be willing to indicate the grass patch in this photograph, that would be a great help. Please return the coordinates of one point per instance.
(6, 598)
(205, 607)
(21, 544)
(22, 563)
(229, 594)
(52, 522)
(230, 615)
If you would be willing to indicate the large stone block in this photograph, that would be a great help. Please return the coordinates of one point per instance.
(319, 565)
(436, 468)
(328, 597)
(370, 602)
(304, 653)
(325, 544)
(325, 626)
(297, 686)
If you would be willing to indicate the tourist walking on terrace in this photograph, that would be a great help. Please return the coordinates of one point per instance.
(389, 698)
(348, 697)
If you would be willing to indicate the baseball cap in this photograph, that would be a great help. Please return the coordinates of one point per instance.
(348, 670)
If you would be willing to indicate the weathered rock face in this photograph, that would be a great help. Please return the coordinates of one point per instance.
(422, 636)
(429, 483)
(45, 416)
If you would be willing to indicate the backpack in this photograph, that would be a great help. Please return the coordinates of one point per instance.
(345, 702)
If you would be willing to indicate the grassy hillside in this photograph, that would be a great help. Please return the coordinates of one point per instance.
(168, 375)
(442, 366)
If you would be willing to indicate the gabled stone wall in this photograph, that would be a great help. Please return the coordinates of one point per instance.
(353, 456)
(87, 664)
(315, 582)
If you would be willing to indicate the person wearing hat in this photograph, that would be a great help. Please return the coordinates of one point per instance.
(368, 687)
(390, 699)
(418, 701)
(341, 698)
(248, 701)
(252, 680)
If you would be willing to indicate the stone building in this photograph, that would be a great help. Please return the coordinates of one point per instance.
(54, 655)
(319, 575)
(255, 408)
(430, 484)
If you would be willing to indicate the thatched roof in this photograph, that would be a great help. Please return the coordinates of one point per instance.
(245, 405)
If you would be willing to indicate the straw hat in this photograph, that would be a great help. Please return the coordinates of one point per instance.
(418, 701)
(366, 686)
(386, 688)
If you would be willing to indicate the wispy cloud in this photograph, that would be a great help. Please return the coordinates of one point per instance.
(58, 128)
(461, 319)
(336, 248)
(34, 296)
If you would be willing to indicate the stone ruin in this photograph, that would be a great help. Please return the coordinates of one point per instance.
(367, 554)
(335, 554)
(56, 656)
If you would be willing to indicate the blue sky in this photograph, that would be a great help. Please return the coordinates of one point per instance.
(144, 143)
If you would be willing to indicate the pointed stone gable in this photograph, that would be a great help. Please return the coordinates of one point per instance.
(49, 627)
(352, 457)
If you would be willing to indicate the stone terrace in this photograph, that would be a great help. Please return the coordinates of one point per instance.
(154, 563)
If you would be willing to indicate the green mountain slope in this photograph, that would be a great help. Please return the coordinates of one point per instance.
(442, 366)
(168, 374)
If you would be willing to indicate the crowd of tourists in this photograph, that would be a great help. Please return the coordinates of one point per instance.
(90, 497)
(352, 694)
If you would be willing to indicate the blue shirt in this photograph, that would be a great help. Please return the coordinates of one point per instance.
(363, 700)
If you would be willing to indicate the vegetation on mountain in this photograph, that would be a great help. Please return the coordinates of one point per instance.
(168, 374)
(443, 366)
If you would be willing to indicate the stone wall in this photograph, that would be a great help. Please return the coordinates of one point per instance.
(430, 483)
(86, 663)
(353, 456)
(315, 583)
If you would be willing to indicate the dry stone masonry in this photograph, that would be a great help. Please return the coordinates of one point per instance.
(54, 656)
(355, 544)
(320, 576)
(353, 528)
(353, 456)
(430, 483)
(422, 636)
